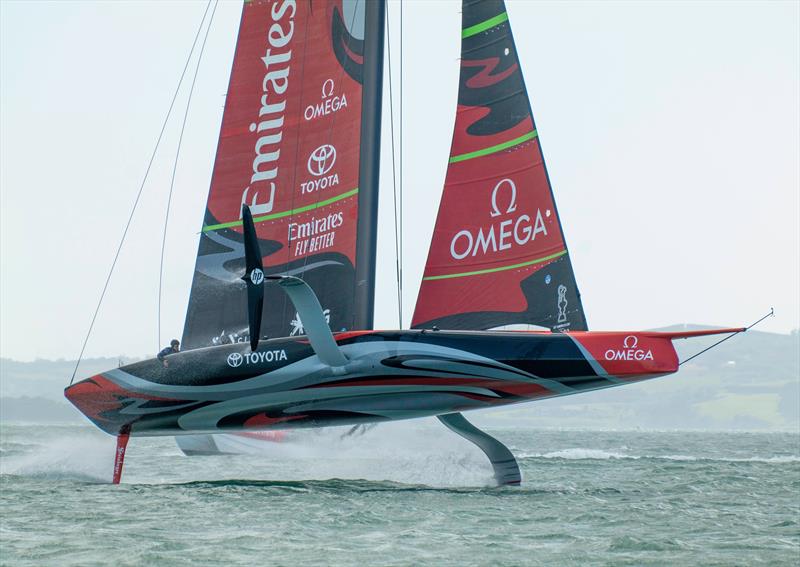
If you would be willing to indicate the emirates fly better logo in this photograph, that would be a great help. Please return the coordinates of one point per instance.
(321, 160)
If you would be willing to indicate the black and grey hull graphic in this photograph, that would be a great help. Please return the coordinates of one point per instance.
(284, 385)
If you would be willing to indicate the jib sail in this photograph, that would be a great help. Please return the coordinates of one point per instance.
(299, 145)
(498, 255)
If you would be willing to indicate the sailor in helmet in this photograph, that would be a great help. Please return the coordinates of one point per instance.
(174, 346)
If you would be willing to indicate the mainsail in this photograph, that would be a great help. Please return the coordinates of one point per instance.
(498, 255)
(299, 144)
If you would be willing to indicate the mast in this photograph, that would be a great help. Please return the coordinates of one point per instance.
(371, 104)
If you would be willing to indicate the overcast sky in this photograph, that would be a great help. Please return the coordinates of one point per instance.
(671, 132)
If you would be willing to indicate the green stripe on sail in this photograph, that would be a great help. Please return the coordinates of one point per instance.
(500, 269)
(494, 149)
(285, 213)
(483, 26)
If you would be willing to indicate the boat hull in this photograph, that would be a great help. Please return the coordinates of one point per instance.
(390, 375)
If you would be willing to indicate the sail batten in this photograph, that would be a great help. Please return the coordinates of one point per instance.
(495, 148)
(296, 211)
(498, 255)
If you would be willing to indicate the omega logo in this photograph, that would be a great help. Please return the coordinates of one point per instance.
(503, 234)
(630, 351)
(512, 205)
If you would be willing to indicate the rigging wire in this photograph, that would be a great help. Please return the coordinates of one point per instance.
(139, 193)
(400, 222)
(770, 314)
(394, 176)
(175, 168)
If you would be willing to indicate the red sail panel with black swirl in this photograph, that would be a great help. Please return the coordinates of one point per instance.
(299, 115)
(498, 254)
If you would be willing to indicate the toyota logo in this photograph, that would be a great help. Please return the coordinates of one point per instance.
(256, 276)
(630, 342)
(321, 160)
(235, 359)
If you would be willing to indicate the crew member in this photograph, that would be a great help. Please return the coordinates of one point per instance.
(174, 346)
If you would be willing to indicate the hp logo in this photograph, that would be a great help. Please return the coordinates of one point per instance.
(256, 276)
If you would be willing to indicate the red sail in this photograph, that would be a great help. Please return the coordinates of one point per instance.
(498, 254)
(289, 147)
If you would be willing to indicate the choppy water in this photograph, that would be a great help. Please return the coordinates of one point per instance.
(403, 494)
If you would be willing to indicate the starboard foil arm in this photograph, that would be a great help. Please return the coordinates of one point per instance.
(506, 469)
(310, 312)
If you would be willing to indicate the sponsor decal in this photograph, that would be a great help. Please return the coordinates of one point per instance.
(297, 324)
(562, 303)
(321, 160)
(328, 104)
(118, 463)
(630, 351)
(512, 204)
(256, 276)
(503, 234)
(224, 338)
(315, 234)
(236, 359)
(269, 128)
(320, 163)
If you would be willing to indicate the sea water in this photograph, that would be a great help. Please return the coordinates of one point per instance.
(402, 494)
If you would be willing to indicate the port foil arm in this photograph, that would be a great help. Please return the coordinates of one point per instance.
(506, 469)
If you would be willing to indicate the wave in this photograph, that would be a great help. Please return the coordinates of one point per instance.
(335, 485)
(579, 454)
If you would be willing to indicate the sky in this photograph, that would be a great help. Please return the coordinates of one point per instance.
(671, 133)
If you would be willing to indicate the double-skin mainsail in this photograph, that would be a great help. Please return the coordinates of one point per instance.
(299, 144)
